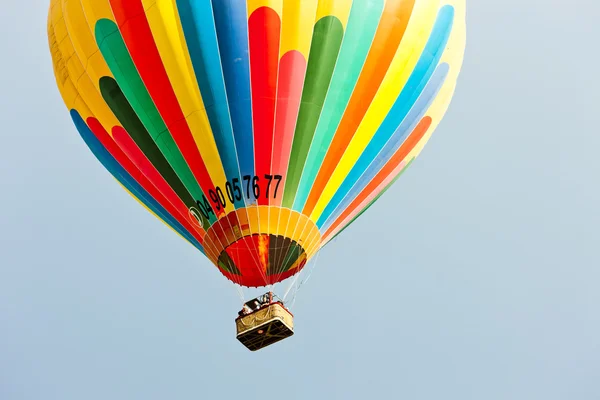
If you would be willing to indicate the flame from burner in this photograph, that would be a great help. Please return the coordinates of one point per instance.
(263, 249)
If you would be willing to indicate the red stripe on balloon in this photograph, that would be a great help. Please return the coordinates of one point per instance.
(112, 147)
(413, 139)
(264, 27)
(136, 32)
(292, 69)
(135, 154)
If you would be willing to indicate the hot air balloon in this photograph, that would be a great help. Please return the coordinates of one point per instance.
(256, 129)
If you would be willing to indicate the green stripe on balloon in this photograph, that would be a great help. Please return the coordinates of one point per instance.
(114, 97)
(283, 253)
(226, 264)
(325, 46)
(362, 25)
(294, 252)
(116, 55)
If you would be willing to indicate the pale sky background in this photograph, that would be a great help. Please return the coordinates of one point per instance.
(482, 263)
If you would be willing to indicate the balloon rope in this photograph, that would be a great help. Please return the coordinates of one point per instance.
(312, 269)
(291, 286)
(240, 291)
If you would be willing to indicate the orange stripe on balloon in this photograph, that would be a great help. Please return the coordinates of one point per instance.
(390, 31)
(398, 157)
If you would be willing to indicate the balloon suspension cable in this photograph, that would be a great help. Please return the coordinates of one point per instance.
(240, 291)
(302, 282)
(296, 283)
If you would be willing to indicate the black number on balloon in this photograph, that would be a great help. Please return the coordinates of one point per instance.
(247, 179)
(221, 197)
(229, 190)
(235, 192)
(205, 208)
(256, 187)
(217, 198)
(278, 179)
(236, 189)
(270, 179)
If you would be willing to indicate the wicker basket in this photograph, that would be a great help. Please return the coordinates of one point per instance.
(265, 326)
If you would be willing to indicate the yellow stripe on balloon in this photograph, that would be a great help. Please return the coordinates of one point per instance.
(67, 69)
(59, 27)
(96, 67)
(253, 219)
(337, 8)
(84, 83)
(64, 80)
(81, 36)
(167, 32)
(297, 25)
(453, 55)
(263, 219)
(95, 10)
(276, 5)
(76, 51)
(403, 63)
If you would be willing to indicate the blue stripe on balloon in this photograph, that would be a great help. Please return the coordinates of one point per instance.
(398, 138)
(127, 180)
(201, 37)
(231, 22)
(402, 106)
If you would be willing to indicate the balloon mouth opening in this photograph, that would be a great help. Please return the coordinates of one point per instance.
(262, 259)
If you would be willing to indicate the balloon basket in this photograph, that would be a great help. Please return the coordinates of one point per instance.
(265, 326)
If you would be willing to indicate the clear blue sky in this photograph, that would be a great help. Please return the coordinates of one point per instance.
(481, 264)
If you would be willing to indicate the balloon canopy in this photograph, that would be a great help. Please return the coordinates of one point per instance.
(256, 129)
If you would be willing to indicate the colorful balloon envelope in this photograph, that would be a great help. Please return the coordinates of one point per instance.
(256, 129)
